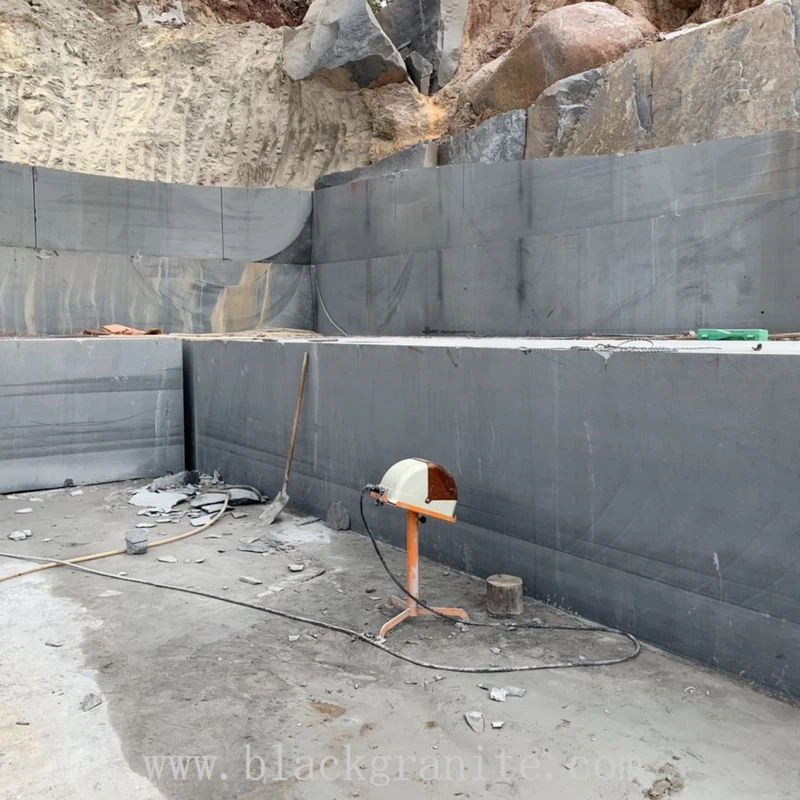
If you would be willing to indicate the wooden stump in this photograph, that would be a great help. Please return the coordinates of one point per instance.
(504, 595)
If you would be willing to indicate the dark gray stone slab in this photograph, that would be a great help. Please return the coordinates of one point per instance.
(89, 410)
(75, 211)
(413, 27)
(654, 491)
(64, 293)
(420, 70)
(730, 266)
(501, 138)
(266, 225)
(479, 203)
(433, 28)
(424, 154)
(17, 218)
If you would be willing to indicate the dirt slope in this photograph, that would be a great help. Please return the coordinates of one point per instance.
(83, 87)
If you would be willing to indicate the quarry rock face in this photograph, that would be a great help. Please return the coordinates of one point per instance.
(563, 42)
(211, 102)
(343, 34)
(734, 77)
(433, 28)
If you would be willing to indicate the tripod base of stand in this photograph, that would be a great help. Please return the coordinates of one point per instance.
(411, 610)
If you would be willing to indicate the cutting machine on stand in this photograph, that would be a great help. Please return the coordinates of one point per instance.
(422, 489)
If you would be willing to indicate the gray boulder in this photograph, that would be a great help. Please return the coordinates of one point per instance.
(342, 34)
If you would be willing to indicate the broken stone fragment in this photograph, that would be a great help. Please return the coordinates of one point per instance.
(296, 567)
(19, 536)
(500, 694)
(91, 701)
(171, 482)
(475, 721)
(159, 501)
(251, 581)
(167, 559)
(207, 499)
(136, 542)
(338, 517)
(241, 496)
(254, 547)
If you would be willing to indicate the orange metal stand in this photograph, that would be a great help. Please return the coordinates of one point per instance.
(410, 607)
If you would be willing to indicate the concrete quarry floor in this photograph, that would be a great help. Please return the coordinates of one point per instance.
(186, 676)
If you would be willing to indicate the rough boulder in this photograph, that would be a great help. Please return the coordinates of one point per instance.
(343, 34)
(563, 42)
